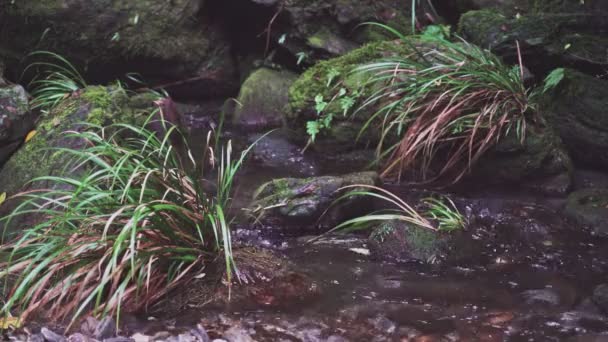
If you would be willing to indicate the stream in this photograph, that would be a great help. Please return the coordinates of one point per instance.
(535, 283)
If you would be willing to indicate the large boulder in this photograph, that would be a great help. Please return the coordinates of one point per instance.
(157, 38)
(578, 109)
(546, 39)
(302, 201)
(16, 119)
(262, 100)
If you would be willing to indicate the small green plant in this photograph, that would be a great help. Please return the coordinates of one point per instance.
(443, 212)
(129, 223)
(56, 79)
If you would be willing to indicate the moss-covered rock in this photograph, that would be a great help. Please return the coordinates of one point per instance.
(303, 200)
(96, 105)
(134, 34)
(263, 99)
(589, 207)
(578, 109)
(547, 39)
(541, 162)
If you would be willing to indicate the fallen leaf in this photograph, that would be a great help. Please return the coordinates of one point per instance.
(9, 322)
(2, 197)
(30, 135)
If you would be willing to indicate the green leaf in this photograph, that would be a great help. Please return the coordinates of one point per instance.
(553, 79)
(320, 104)
(312, 128)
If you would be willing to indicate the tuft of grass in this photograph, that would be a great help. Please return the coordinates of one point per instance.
(56, 79)
(129, 223)
(450, 103)
(436, 215)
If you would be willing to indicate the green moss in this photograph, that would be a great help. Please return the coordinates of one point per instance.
(96, 105)
(314, 80)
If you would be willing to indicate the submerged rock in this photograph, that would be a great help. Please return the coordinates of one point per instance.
(589, 207)
(262, 100)
(578, 109)
(302, 201)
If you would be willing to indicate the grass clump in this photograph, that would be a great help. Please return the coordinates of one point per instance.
(436, 214)
(129, 223)
(455, 102)
(439, 108)
(56, 79)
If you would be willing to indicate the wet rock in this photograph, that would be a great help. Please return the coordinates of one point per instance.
(89, 325)
(51, 336)
(200, 333)
(105, 329)
(16, 120)
(542, 35)
(336, 338)
(275, 151)
(589, 207)
(79, 338)
(303, 200)
(35, 338)
(600, 297)
(578, 109)
(540, 163)
(262, 100)
(237, 334)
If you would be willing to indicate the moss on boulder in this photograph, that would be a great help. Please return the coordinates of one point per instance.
(36, 158)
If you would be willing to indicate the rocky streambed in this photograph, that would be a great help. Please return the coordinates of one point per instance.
(522, 271)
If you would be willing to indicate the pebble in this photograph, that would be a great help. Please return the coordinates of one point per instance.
(105, 329)
(51, 336)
